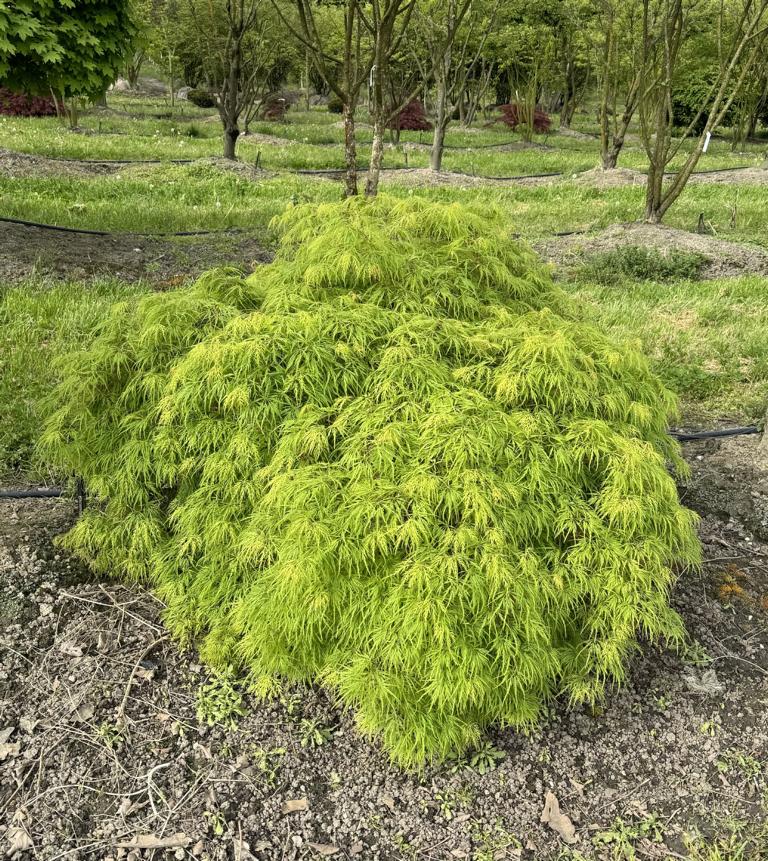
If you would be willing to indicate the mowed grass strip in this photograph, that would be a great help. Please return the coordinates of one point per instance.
(172, 198)
(134, 130)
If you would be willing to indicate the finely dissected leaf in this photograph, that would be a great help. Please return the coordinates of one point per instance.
(391, 460)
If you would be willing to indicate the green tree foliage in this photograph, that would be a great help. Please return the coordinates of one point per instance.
(391, 461)
(73, 47)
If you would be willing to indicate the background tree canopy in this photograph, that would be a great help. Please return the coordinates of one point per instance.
(73, 47)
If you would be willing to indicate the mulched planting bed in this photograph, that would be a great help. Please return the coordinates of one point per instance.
(722, 257)
(102, 753)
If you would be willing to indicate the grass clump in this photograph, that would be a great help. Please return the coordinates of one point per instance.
(391, 461)
(642, 264)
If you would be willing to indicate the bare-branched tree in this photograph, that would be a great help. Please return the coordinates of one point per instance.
(237, 50)
(741, 40)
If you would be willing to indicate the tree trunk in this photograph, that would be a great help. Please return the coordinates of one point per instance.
(229, 97)
(611, 155)
(441, 123)
(377, 154)
(230, 142)
(172, 78)
(438, 146)
(350, 151)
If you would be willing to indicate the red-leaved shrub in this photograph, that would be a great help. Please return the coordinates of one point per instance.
(514, 115)
(411, 118)
(23, 105)
(274, 109)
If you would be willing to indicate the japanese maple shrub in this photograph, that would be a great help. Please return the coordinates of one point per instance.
(392, 461)
(411, 118)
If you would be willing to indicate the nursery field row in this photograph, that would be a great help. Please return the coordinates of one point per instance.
(315, 140)
(202, 196)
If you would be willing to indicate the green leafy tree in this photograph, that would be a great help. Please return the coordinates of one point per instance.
(392, 461)
(73, 48)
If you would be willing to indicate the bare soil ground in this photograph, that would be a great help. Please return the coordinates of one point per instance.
(103, 755)
(163, 261)
(723, 258)
(621, 176)
(422, 176)
(20, 164)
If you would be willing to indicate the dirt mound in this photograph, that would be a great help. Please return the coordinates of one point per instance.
(735, 176)
(19, 164)
(614, 178)
(267, 140)
(622, 176)
(723, 258)
(577, 135)
(422, 176)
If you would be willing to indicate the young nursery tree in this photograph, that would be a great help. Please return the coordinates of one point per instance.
(337, 41)
(387, 23)
(237, 45)
(743, 28)
(73, 49)
(454, 33)
(391, 461)
(619, 49)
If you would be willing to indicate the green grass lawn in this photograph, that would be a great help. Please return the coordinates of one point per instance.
(166, 198)
(150, 129)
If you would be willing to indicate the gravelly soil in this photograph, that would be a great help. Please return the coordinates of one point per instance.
(723, 258)
(24, 250)
(102, 752)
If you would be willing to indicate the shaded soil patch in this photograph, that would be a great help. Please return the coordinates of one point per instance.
(24, 250)
(723, 258)
(19, 164)
(103, 747)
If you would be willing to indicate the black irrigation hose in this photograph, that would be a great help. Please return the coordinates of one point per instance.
(57, 492)
(49, 493)
(61, 229)
(686, 436)
(33, 493)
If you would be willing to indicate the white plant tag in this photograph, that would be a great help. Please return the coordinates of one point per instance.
(706, 141)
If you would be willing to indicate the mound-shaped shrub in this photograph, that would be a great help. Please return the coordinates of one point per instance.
(412, 118)
(391, 461)
(515, 115)
(14, 104)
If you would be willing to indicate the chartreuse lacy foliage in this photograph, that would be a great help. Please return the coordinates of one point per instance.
(390, 460)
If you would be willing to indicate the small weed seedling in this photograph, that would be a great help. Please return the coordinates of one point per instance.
(216, 821)
(695, 654)
(111, 734)
(218, 702)
(622, 836)
(486, 758)
(269, 762)
(494, 844)
(314, 734)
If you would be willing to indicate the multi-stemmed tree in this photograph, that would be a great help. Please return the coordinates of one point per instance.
(666, 29)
